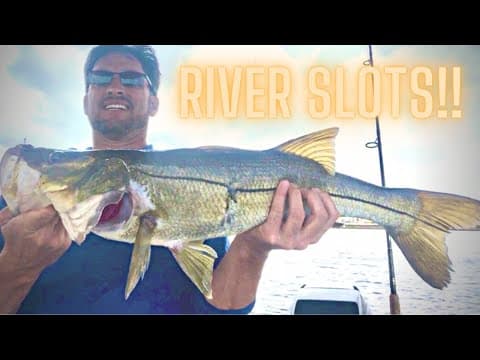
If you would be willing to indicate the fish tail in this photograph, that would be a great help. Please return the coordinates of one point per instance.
(422, 240)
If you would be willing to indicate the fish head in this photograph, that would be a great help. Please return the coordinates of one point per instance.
(79, 185)
(20, 178)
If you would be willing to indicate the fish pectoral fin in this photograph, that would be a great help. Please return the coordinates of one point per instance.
(196, 260)
(318, 146)
(140, 259)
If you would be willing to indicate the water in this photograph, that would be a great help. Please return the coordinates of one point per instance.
(343, 258)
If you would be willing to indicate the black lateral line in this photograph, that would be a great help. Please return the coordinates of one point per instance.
(387, 208)
(255, 190)
(247, 190)
(189, 178)
(207, 181)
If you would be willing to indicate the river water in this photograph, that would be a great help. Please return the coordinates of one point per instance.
(347, 257)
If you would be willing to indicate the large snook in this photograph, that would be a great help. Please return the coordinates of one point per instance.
(180, 197)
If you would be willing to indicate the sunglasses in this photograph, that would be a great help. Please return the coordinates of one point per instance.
(127, 78)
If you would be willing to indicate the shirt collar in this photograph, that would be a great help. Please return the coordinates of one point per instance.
(147, 147)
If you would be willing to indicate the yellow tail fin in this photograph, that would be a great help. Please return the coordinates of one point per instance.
(423, 244)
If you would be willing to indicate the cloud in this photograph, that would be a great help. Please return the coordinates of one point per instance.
(50, 69)
(42, 90)
(169, 56)
(19, 106)
(168, 129)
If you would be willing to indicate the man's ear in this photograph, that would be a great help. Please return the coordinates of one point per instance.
(152, 105)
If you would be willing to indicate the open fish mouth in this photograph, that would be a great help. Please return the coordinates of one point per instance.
(115, 214)
(108, 212)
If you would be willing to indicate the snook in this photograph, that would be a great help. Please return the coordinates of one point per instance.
(180, 197)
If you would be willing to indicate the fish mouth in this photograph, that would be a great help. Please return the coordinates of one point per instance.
(115, 214)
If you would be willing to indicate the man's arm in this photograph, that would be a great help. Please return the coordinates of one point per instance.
(236, 278)
(32, 241)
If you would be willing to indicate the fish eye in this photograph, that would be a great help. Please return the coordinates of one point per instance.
(55, 157)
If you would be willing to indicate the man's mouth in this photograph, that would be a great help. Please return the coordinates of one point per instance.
(116, 104)
(116, 107)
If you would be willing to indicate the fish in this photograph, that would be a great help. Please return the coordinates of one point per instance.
(178, 198)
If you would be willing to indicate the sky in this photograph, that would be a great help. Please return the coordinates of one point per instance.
(42, 90)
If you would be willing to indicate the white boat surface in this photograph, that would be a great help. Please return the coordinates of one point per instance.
(317, 300)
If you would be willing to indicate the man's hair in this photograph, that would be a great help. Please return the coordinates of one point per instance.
(145, 54)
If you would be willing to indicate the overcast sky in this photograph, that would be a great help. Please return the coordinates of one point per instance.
(42, 88)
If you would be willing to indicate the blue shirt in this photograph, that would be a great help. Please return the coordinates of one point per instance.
(90, 279)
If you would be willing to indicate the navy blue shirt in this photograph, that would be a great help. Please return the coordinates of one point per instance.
(91, 278)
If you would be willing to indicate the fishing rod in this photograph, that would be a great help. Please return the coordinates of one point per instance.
(394, 300)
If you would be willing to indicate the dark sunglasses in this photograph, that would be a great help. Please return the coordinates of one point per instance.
(127, 78)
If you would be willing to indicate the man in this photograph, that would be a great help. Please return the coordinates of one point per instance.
(42, 272)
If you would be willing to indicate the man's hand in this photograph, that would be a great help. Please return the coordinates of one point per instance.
(297, 230)
(33, 240)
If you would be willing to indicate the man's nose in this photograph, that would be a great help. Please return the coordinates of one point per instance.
(115, 87)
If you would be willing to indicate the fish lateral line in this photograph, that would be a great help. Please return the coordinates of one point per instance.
(232, 195)
(231, 190)
(387, 208)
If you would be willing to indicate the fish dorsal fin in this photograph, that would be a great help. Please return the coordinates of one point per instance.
(318, 146)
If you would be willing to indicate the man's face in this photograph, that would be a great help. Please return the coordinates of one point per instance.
(115, 109)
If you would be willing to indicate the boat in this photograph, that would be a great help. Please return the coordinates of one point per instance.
(317, 300)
